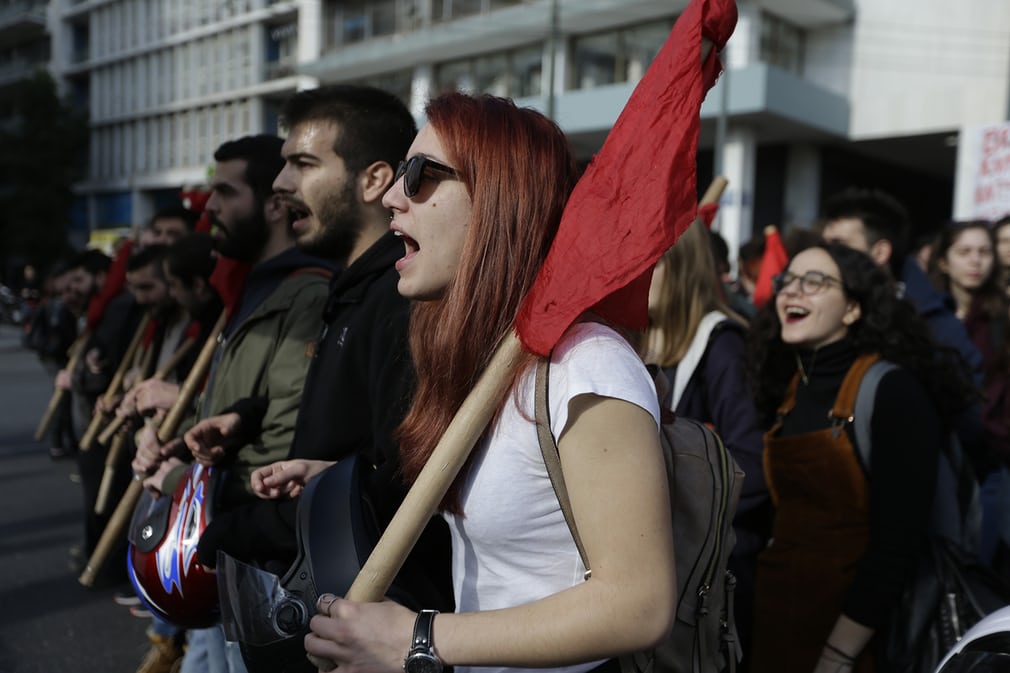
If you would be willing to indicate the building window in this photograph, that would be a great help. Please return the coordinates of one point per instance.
(397, 83)
(618, 56)
(781, 43)
(281, 50)
(447, 10)
(515, 73)
(361, 20)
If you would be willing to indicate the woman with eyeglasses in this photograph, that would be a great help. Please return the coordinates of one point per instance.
(964, 263)
(842, 542)
(477, 204)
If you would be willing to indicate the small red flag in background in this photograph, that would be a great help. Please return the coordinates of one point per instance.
(707, 213)
(638, 194)
(228, 279)
(115, 280)
(773, 261)
(193, 330)
(152, 327)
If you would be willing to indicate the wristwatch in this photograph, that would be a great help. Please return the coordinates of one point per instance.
(422, 658)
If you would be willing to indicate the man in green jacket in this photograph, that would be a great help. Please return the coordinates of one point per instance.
(266, 345)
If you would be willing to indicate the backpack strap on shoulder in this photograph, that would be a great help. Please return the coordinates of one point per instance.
(552, 457)
(844, 409)
(320, 271)
(866, 396)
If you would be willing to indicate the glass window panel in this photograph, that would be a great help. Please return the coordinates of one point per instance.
(383, 18)
(527, 71)
(455, 76)
(461, 8)
(491, 74)
(595, 60)
(641, 44)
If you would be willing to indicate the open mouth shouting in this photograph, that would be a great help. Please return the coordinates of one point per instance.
(299, 214)
(410, 249)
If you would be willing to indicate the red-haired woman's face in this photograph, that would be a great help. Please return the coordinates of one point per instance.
(432, 223)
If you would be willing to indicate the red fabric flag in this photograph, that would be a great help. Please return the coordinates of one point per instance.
(193, 330)
(228, 279)
(148, 338)
(638, 194)
(203, 223)
(115, 280)
(707, 213)
(195, 199)
(773, 261)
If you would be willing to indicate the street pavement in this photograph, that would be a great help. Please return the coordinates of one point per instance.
(48, 621)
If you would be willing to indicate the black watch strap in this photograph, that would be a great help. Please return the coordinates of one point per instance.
(423, 627)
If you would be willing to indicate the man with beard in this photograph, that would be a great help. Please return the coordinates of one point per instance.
(187, 264)
(265, 348)
(342, 146)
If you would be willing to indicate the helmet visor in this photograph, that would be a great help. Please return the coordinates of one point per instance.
(255, 608)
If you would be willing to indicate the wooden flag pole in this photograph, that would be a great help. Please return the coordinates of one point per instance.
(75, 352)
(115, 385)
(169, 426)
(111, 458)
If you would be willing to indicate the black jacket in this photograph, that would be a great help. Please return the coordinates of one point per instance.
(356, 393)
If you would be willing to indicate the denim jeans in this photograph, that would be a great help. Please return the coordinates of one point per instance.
(209, 652)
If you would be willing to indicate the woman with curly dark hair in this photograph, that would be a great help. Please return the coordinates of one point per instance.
(842, 542)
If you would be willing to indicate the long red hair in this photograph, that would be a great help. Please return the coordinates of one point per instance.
(519, 171)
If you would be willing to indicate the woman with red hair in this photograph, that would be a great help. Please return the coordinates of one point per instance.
(477, 203)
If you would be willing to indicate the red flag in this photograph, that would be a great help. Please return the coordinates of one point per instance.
(148, 338)
(228, 279)
(773, 261)
(203, 223)
(707, 213)
(195, 199)
(638, 194)
(115, 279)
(193, 330)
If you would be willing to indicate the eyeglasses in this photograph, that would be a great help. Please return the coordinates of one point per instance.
(811, 282)
(412, 170)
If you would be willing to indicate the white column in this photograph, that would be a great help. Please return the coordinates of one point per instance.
(310, 39)
(421, 86)
(802, 188)
(736, 210)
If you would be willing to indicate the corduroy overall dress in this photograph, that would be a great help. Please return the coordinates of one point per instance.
(822, 527)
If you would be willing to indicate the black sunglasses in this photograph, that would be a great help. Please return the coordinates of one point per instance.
(412, 171)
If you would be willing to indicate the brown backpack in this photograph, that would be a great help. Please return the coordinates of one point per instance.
(705, 485)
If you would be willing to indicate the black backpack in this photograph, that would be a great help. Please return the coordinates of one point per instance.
(705, 485)
(949, 590)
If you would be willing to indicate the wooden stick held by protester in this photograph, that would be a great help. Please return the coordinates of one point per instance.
(74, 354)
(166, 431)
(115, 385)
(111, 458)
(181, 353)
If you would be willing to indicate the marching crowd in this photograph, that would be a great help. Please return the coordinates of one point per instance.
(356, 280)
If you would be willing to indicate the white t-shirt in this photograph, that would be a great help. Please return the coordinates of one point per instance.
(512, 545)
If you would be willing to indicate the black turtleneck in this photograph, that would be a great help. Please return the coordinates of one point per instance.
(906, 435)
(825, 369)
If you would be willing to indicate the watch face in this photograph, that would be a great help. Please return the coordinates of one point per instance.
(422, 663)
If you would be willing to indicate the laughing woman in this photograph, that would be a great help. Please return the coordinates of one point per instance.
(842, 542)
(477, 203)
